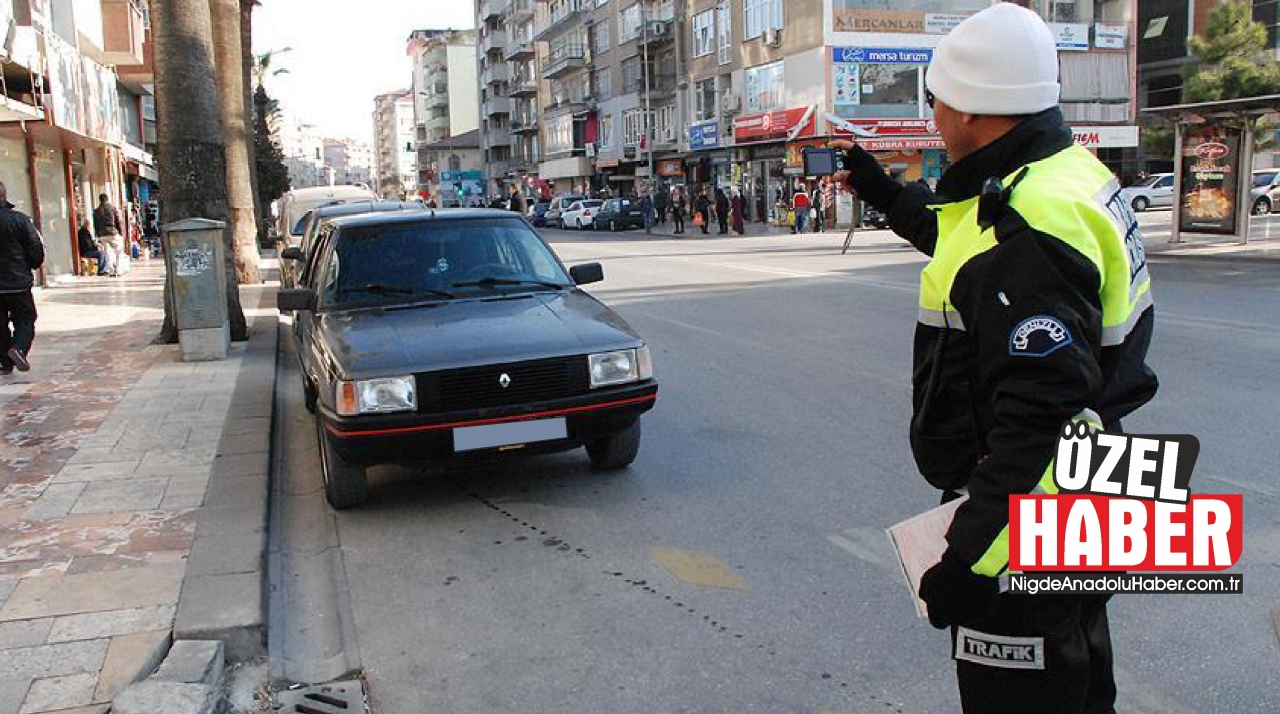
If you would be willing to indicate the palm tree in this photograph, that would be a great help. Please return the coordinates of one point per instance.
(192, 148)
(229, 70)
(247, 63)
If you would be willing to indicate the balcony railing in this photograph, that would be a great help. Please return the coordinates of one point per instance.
(497, 105)
(564, 59)
(562, 16)
(495, 41)
(519, 50)
(495, 74)
(521, 10)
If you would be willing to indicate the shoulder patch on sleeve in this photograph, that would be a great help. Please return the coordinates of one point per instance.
(1039, 336)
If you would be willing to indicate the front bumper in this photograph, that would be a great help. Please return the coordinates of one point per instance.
(418, 438)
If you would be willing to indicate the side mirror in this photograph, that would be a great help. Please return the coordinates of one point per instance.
(586, 273)
(293, 252)
(296, 299)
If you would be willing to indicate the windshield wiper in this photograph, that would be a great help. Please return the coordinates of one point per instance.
(490, 282)
(383, 289)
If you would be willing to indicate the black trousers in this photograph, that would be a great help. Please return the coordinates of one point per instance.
(678, 218)
(20, 310)
(722, 217)
(1077, 676)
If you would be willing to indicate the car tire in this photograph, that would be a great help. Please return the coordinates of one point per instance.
(345, 485)
(615, 451)
(1262, 207)
(1140, 204)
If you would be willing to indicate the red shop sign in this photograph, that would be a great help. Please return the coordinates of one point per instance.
(772, 126)
(892, 127)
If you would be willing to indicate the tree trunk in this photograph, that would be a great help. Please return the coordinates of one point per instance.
(229, 70)
(191, 154)
(247, 59)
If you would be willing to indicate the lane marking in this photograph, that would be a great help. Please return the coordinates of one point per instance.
(698, 569)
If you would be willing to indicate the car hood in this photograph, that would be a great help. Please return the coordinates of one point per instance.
(465, 333)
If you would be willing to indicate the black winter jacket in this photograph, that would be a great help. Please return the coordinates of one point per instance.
(21, 250)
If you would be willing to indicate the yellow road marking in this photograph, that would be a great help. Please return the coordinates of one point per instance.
(698, 569)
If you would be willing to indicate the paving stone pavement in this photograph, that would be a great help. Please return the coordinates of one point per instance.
(106, 451)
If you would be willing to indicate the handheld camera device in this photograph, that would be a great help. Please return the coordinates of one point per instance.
(822, 162)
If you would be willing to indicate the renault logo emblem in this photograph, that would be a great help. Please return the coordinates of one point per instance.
(505, 380)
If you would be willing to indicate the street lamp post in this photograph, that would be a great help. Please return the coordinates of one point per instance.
(648, 110)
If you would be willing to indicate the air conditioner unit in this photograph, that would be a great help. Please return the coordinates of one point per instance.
(657, 29)
(730, 102)
(773, 37)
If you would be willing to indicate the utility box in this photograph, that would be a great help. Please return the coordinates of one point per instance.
(195, 256)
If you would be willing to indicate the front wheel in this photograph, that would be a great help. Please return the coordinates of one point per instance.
(1262, 207)
(1140, 204)
(615, 451)
(345, 484)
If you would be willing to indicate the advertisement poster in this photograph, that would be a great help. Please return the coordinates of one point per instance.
(1110, 37)
(1210, 178)
(852, 16)
(1070, 36)
(847, 89)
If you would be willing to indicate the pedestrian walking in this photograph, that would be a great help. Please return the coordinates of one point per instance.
(702, 206)
(109, 226)
(1035, 311)
(678, 208)
(736, 208)
(722, 210)
(646, 210)
(515, 203)
(21, 252)
(661, 204)
(815, 208)
(88, 247)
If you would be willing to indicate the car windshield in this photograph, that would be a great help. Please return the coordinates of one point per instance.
(438, 259)
(1149, 181)
(1264, 179)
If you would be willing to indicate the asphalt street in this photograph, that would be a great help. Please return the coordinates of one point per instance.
(741, 564)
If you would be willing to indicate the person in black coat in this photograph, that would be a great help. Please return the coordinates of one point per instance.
(88, 246)
(678, 208)
(702, 205)
(722, 210)
(21, 252)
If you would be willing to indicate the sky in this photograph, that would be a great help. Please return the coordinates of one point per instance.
(345, 53)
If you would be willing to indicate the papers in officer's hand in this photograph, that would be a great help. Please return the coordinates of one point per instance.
(920, 542)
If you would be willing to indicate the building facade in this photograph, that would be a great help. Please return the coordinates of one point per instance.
(349, 161)
(456, 168)
(445, 90)
(509, 111)
(302, 145)
(641, 93)
(395, 155)
(74, 118)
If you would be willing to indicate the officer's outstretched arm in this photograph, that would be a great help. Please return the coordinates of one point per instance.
(905, 206)
(1032, 304)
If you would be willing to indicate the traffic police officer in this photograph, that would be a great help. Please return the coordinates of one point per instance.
(1035, 310)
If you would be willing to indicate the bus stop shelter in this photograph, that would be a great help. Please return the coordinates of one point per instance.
(1205, 134)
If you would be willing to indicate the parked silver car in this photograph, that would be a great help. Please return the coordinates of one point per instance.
(1265, 192)
(1154, 192)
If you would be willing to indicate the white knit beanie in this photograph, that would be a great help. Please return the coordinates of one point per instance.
(1001, 61)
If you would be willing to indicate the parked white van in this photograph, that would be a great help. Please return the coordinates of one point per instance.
(293, 206)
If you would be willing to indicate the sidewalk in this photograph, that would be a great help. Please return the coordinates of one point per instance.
(114, 466)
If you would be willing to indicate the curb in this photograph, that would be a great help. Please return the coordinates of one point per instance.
(223, 592)
(1233, 257)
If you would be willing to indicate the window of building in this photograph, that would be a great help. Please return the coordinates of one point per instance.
(606, 131)
(704, 33)
(665, 124)
(601, 3)
(761, 15)
(602, 84)
(630, 26)
(764, 88)
(632, 75)
(704, 99)
(600, 37)
(560, 134)
(633, 127)
(724, 32)
(877, 90)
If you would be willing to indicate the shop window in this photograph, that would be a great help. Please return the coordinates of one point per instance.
(876, 90)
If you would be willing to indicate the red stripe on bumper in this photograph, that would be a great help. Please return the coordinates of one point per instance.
(477, 422)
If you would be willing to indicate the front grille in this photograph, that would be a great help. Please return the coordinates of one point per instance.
(480, 387)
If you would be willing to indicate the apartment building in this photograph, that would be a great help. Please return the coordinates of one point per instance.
(69, 128)
(349, 160)
(445, 90)
(508, 94)
(395, 172)
(302, 146)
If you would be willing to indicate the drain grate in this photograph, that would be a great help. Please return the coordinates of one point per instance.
(334, 698)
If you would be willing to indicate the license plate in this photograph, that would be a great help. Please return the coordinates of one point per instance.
(488, 436)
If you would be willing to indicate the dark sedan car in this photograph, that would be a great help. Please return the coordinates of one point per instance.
(619, 214)
(316, 217)
(458, 336)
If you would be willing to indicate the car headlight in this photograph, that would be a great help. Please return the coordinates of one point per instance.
(621, 367)
(377, 396)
